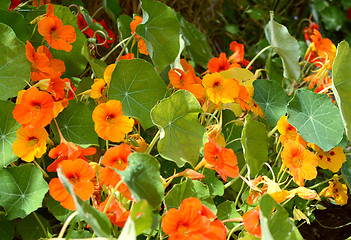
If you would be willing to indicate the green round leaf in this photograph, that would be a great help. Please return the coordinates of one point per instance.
(182, 136)
(142, 216)
(136, 84)
(76, 124)
(59, 212)
(316, 118)
(22, 190)
(270, 96)
(255, 144)
(227, 210)
(342, 84)
(286, 46)
(160, 28)
(30, 229)
(7, 230)
(14, 66)
(143, 178)
(8, 129)
(215, 185)
(17, 22)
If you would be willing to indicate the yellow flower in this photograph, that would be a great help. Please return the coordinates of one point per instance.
(30, 143)
(332, 159)
(336, 190)
(288, 132)
(219, 89)
(301, 162)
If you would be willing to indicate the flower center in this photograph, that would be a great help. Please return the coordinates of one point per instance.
(111, 118)
(32, 141)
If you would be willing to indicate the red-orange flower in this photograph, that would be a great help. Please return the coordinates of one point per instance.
(58, 36)
(110, 124)
(251, 221)
(186, 79)
(30, 143)
(79, 174)
(222, 159)
(115, 157)
(36, 109)
(68, 151)
(218, 64)
(237, 58)
(288, 132)
(43, 65)
(192, 221)
(302, 163)
(115, 212)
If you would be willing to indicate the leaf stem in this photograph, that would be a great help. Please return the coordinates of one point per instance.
(321, 183)
(111, 195)
(115, 47)
(272, 131)
(42, 170)
(41, 224)
(231, 182)
(65, 225)
(257, 55)
(153, 142)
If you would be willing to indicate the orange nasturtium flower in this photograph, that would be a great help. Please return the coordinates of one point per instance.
(110, 124)
(332, 159)
(302, 163)
(288, 132)
(251, 221)
(30, 143)
(58, 36)
(223, 160)
(98, 89)
(336, 191)
(43, 65)
(79, 174)
(186, 79)
(192, 221)
(218, 64)
(115, 157)
(36, 109)
(141, 44)
(237, 58)
(219, 89)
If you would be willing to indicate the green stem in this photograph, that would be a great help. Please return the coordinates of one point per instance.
(150, 234)
(42, 170)
(272, 131)
(237, 227)
(153, 142)
(65, 225)
(278, 155)
(115, 47)
(124, 48)
(41, 224)
(231, 182)
(257, 55)
(321, 183)
(239, 193)
(111, 196)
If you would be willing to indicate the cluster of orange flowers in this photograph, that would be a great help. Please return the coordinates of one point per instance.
(321, 52)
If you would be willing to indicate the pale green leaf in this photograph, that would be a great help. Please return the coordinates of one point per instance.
(342, 84)
(286, 46)
(227, 210)
(181, 135)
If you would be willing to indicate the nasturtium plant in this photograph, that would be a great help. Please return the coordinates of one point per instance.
(171, 121)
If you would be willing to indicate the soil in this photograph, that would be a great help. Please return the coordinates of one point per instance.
(329, 224)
